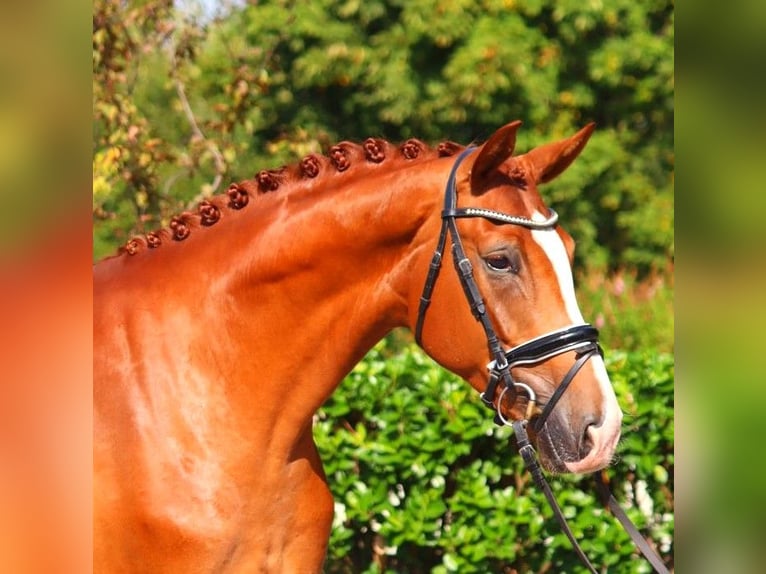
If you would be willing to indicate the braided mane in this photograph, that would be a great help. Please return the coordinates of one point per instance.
(344, 157)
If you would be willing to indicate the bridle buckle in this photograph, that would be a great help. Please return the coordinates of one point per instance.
(531, 404)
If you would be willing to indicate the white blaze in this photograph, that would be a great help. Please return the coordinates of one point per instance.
(554, 248)
(606, 435)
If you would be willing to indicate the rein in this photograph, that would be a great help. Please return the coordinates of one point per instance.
(583, 339)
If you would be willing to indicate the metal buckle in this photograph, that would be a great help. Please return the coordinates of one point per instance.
(531, 405)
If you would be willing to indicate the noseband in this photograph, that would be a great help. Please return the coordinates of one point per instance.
(583, 339)
(580, 338)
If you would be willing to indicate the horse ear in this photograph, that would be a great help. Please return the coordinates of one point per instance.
(497, 149)
(549, 160)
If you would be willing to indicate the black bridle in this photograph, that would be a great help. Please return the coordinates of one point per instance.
(580, 338)
(583, 339)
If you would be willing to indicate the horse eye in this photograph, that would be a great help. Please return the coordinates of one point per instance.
(501, 263)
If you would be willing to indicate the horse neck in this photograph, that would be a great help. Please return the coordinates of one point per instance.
(308, 280)
(337, 261)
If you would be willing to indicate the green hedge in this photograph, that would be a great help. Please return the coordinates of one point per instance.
(425, 482)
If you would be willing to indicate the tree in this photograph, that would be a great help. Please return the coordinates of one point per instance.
(184, 105)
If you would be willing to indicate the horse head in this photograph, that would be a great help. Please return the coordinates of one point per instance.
(512, 293)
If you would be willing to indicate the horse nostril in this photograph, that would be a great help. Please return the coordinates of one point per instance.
(587, 442)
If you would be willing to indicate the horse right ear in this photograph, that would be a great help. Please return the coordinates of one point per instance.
(549, 160)
(497, 149)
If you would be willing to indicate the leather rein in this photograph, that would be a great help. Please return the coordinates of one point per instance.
(583, 339)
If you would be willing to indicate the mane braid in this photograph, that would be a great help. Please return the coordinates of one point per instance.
(340, 158)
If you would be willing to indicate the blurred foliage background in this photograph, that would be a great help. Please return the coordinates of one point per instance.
(187, 100)
(189, 97)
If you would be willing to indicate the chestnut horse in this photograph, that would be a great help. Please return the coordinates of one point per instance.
(217, 340)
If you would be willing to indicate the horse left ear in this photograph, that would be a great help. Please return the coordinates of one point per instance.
(496, 150)
(549, 160)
